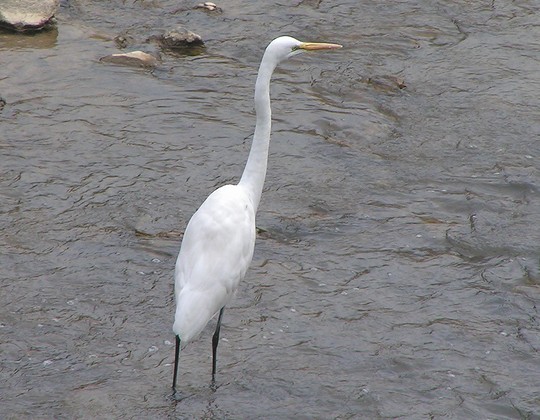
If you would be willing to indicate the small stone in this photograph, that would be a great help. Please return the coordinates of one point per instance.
(134, 58)
(180, 38)
(208, 5)
(27, 15)
(123, 41)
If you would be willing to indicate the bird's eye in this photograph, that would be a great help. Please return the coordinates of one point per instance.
(294, 48)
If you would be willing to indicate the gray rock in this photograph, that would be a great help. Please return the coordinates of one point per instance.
(180, 38)
(123, 41)
(134, 59)
(27, 15)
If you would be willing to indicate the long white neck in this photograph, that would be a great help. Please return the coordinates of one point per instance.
(255, 170)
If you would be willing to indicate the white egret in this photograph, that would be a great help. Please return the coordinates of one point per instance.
(220, 237)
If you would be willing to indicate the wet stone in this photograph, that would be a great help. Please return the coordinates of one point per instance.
(134, 59)
(123, 41)
(27, 15)
(180, 38)
(209, 6)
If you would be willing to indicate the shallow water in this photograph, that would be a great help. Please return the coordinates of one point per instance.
(396, 274)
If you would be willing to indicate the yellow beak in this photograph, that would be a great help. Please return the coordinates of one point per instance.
(318, 46)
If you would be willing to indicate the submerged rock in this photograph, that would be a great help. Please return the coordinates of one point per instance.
(134, 59)
(123, 41)
(180, 38)
(387, 83)
(27, 15)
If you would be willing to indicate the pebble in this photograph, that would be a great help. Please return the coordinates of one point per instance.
(207, 5)
(180, 38)
(134, 58)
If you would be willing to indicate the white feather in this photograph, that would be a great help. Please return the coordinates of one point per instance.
(215, 254)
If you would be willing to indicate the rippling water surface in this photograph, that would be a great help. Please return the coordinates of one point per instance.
(396, 273)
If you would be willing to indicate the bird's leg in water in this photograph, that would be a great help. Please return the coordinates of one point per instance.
(176, 354)
(215, 342)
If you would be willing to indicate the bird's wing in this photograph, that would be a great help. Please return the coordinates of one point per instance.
(215, 254)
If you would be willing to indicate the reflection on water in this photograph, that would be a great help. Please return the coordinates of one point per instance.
(396, 272)
(11, 41)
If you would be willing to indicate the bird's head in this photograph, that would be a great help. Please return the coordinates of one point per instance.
(285, 47)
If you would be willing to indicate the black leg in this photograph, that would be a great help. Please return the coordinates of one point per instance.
(215, 342)
(176, 354)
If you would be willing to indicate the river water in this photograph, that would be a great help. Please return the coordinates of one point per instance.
(397, 268)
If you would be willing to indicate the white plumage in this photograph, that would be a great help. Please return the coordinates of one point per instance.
(215, 255)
